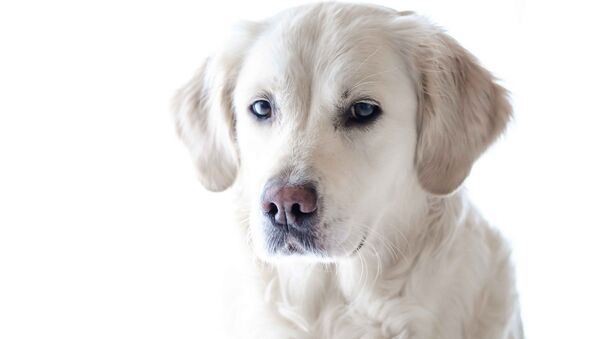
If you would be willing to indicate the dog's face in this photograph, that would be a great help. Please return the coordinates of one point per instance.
(329, 135)
(333, 117)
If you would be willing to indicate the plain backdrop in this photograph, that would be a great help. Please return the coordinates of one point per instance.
(106, 233)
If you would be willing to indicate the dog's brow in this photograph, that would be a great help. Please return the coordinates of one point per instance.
(346, 94)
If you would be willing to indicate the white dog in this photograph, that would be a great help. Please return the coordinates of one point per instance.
(346, 132)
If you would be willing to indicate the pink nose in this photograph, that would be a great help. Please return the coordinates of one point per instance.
(290, 204)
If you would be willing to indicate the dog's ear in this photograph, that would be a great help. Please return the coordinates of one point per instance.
(203, 111)
(461, 112)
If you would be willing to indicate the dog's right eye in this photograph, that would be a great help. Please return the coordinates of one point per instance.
(261, 108)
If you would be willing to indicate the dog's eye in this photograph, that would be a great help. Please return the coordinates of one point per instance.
(362, 111)
(261, 108)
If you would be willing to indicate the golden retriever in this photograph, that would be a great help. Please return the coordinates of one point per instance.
(346, 132)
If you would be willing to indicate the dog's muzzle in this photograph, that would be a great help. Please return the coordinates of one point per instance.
(292, 216)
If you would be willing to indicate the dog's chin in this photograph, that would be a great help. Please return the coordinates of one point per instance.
(285, 256)
(292, 249)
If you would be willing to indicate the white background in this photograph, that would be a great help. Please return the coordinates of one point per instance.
(105, 232)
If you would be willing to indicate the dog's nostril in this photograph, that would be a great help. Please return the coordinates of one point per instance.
(296, 209)
(272, 209)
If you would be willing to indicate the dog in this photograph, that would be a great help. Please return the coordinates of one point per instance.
(345, 132)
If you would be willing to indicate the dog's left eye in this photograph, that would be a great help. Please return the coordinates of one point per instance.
(261, 108)
(362, 112)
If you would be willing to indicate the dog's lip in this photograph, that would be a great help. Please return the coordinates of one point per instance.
(361, 243)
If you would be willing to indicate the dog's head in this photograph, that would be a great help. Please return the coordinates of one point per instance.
(333, 117)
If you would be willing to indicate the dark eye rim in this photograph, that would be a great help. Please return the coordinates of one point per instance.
(261, 116)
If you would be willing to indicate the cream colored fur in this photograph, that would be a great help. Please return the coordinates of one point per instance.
(430, 266)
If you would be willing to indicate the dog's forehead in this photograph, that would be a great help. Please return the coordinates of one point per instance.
(325, 46)
(304, 56)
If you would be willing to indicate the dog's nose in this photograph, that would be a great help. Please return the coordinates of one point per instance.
(290, 205)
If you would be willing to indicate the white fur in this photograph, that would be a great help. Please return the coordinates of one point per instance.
(430, 267)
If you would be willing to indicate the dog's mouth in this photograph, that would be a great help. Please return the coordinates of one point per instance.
(290, 241)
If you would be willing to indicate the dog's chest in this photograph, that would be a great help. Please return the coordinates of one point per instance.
(314, 303)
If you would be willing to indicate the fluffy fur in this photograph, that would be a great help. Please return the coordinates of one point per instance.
(400, 251)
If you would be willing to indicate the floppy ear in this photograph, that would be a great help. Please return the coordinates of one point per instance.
(203, 112)
(461, 112)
